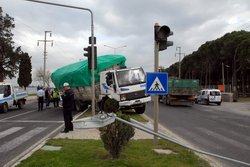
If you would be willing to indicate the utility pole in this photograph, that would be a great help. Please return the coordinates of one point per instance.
(178, 47)
(45, 41)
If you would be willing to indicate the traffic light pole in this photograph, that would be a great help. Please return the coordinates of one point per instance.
(156, 97)
(92, 44)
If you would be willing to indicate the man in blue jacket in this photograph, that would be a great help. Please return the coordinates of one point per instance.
(68, 107)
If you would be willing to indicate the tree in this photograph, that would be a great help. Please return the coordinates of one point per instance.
(40, 75)
(9, 56)
(25, 69)
(205, 64)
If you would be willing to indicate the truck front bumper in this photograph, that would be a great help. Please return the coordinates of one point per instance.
(131, 103)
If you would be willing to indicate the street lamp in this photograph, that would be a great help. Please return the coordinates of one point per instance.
(115, 47)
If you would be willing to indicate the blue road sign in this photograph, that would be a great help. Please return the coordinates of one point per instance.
(157, 83)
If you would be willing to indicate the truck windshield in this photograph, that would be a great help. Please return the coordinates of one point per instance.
(130, 77)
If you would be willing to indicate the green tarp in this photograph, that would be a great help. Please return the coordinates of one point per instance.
(78, 74)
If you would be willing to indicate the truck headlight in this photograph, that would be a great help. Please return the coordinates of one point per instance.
(123, 97)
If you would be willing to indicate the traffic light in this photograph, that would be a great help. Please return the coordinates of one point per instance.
(161, 36)
(89, 54)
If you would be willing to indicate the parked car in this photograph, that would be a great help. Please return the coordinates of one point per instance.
(209, 96)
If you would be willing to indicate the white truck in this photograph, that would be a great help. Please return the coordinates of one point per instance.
(10, 98)
(112, 79)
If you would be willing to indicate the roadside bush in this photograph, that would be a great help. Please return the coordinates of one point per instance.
(116, 135)
(111, 105)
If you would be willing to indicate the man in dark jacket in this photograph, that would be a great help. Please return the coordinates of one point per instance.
(68, 107)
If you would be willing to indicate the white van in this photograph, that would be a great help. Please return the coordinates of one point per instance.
(209, 96)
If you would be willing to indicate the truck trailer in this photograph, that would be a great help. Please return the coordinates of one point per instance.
(112, 80)
(180, 92)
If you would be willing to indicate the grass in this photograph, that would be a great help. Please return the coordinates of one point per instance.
(244, 99)
(91, 153)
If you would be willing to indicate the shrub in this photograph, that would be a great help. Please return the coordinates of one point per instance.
(116, 135)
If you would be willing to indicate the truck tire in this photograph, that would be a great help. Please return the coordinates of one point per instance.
(164, 99)
(5, 107)
(140, 110)
(20, 104)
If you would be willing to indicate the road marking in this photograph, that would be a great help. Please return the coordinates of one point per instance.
(9, 131)
(32, 121)
(19, 140)
(199, 139)
(18, 115)
(225, 139)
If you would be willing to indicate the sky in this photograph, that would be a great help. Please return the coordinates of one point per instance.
(117, 24)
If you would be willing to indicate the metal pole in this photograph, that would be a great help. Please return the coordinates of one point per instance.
(92, 65)
(223, 78)
(92, 43)
(44, 61)
(45, 54)
(179, 60)
(156, 97)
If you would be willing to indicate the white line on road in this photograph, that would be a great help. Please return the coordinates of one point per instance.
(9, 131)
(225, 139)
(32, 121)
(18, 115)
(19, 140)
(199, 139)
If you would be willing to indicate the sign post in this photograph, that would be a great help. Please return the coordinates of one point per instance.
(156, 84)
(161, 33)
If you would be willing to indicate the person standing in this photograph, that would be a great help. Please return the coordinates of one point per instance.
(47, 97)
(68, 107)
(40, 97)
(55, 97)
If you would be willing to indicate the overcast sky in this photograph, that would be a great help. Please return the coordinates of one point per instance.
(119, 23)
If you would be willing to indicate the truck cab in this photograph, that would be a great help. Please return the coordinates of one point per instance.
(127, 86)
(9, 97)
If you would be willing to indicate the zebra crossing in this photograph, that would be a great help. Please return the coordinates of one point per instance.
(8, 145)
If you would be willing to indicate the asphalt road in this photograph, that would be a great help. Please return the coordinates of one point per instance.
(22, 130)
(223, 130)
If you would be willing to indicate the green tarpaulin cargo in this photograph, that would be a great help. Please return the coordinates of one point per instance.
(78, 74)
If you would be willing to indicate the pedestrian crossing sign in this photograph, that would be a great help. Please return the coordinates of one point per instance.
(157, 83)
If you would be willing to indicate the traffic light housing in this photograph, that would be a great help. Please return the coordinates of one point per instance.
(89, 54)
(161, 36)
(88, 51)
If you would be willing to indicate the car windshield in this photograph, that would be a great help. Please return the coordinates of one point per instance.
(130, 77)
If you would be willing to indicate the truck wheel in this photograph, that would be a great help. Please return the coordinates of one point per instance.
(164, 100)
(140, 110)
(20, 104)
(5, 107)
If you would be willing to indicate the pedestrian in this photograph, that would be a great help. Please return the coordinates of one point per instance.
(47, 97)
(40, 97)
(68, 107)
(55, 97)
